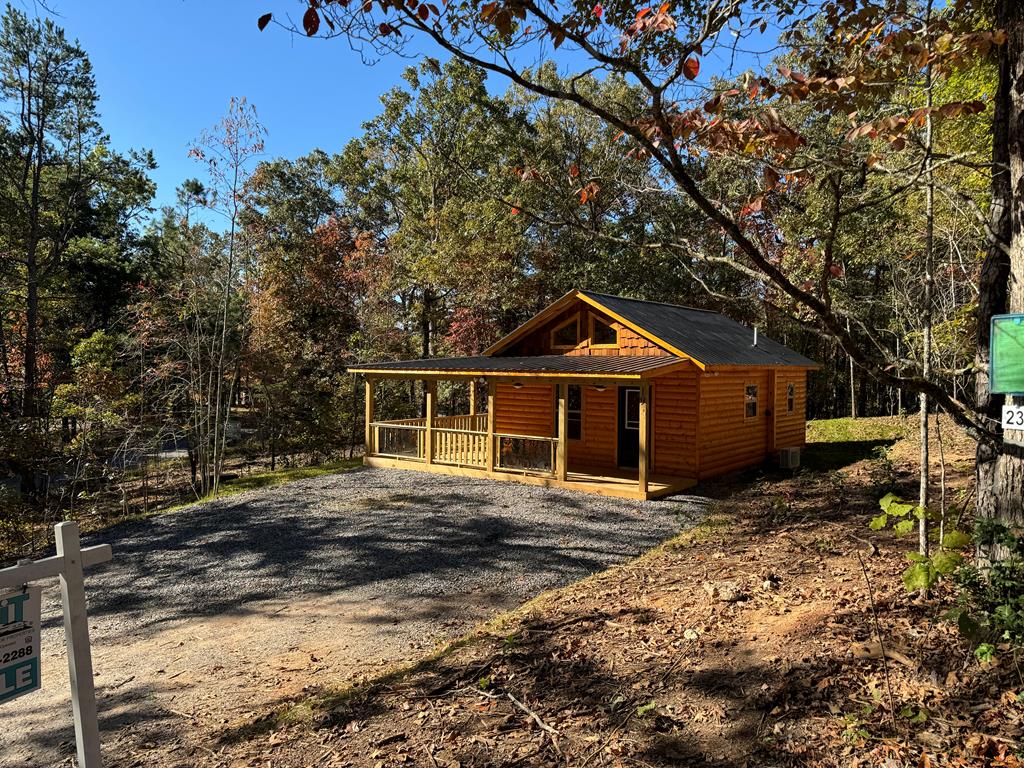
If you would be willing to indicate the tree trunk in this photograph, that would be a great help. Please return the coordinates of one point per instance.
(1000, 468)
(926, 331)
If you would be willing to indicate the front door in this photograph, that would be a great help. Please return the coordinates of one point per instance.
(629, 427)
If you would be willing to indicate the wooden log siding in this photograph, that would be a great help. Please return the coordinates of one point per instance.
(675, 404)
(529, 410)
(539, 341)
(728, 440)
(597, 446)
(791, 428)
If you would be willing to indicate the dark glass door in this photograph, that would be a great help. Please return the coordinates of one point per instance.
(629, 427)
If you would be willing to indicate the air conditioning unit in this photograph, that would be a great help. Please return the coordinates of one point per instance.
(789, 458)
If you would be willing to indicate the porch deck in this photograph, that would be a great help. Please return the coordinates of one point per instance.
(462, 446)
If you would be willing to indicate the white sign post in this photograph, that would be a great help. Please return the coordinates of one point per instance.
(68, 564)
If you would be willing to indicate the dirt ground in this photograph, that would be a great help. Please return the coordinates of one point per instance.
(752, 640)
(216, 613)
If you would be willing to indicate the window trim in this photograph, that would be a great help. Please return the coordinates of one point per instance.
(551, 338)
(569, 412)
(790, 397)
(625, 416)
(747, 401)
(594, 319)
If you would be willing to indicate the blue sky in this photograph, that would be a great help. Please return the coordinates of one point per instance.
(166, 69)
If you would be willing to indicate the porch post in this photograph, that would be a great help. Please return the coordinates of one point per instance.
(472, 397)
(368, 416)
(491, 389)
(561, 455)
(431, 390)
(645, 437)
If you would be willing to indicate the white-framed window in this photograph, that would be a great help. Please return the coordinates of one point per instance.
(632, 420)
(750, 401)
(574, 409)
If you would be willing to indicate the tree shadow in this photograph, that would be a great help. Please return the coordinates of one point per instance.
(828, 457)
(374, 533)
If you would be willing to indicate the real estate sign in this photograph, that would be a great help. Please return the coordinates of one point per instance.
(19, 642)
(1007, 355)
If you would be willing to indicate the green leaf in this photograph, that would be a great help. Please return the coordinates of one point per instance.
(919, 577)
(900, 510)
(643, 709)
(878, 523)
(916, 557)
(956, 540)
(985, 653)
(903, 527)
(886, 500)
(947, 562)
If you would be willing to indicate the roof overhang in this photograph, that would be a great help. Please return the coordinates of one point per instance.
(566, 301)
(560, 367)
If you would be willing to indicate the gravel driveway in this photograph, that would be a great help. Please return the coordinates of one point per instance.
(234, 604)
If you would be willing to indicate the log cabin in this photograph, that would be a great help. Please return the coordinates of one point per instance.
(611, 395)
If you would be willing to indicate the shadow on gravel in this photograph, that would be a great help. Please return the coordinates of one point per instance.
(366, 532)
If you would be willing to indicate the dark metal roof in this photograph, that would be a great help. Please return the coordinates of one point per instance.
(707, 336)
(580, 364)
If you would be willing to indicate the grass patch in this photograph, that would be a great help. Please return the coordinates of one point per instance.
(849, 430)
(270, 479)
(836, 443)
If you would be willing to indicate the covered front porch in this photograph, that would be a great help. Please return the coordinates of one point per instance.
(480, 444)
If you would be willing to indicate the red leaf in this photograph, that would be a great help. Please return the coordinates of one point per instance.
(691, 68)
(311, 21)
(264, 20)
(598, 11)
(515, 211)
(423, 13)
(574, 170)
(836, 270)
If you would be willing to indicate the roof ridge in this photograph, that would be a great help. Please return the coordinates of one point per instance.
(662, 303)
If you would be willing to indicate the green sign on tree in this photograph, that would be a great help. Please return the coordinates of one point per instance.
(1007, 354)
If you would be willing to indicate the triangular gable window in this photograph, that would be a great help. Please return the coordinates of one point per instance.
(566, 335)
(602, 334)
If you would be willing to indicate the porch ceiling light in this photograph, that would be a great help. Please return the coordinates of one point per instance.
(517, 385)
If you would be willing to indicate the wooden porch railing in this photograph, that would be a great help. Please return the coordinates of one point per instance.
(525, 454)
(401, 439)
(462, 441)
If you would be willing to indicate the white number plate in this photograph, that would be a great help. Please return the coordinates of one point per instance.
(1013, 417)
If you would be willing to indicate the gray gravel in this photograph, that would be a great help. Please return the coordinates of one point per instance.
(368, 533)
(221, 608)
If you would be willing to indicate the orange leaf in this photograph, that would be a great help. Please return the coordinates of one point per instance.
(574, 170)
(691, 68)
